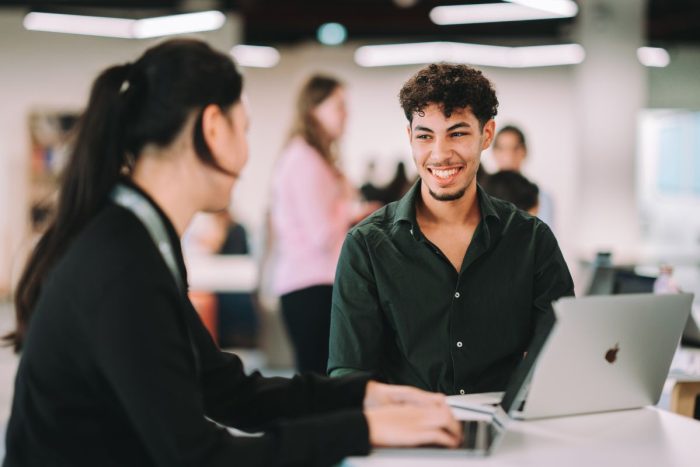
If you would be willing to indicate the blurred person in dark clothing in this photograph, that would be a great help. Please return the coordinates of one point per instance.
(509, 152)
(392, 191)
(513, 187)
(238, 322)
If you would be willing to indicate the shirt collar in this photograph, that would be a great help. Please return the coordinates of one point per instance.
(406, 208)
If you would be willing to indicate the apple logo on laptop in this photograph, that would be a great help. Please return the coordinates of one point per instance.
(611, 354)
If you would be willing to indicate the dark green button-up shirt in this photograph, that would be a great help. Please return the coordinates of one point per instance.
(402, 311)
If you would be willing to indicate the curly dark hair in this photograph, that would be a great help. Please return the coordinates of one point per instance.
(451, 86)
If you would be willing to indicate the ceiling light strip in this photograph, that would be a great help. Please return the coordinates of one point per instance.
(79, 24)
(515, 10)
(653, 57)
(475, 54)
(125, 28)
(255, 56)
(178, 24)
(561, 8)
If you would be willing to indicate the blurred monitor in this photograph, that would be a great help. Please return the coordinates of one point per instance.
(612, 280)
(668, 183)
(627, 282)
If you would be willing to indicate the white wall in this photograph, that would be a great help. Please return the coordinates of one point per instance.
(611, 89)
(49, 71)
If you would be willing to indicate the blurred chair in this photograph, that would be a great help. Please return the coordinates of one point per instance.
(205, 304)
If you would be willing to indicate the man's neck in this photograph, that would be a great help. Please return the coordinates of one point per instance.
(460, 212)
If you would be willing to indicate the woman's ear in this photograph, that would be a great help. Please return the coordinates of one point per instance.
(213, 119)
(224, 132)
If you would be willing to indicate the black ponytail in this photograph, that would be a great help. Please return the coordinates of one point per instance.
(92, 170)
(130, 106)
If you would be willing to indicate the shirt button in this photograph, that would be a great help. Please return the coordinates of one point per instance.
(456, 294)
(459, 344)
(461, 391)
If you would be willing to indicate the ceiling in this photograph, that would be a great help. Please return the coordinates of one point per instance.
(291, 21)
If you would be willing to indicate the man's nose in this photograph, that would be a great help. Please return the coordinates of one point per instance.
(441, 151)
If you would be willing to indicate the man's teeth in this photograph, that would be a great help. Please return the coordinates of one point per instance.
(445, 173)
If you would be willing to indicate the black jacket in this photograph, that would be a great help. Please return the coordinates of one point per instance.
(109, 375)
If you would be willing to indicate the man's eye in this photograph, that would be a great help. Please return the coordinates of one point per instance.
(457, 134)
(422, 136)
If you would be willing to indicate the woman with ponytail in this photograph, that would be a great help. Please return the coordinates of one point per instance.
(116, 368)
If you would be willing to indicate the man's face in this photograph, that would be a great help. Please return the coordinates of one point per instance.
(446, 150)
(508, 152)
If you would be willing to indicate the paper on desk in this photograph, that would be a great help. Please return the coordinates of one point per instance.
(481, 403)
(466, 414)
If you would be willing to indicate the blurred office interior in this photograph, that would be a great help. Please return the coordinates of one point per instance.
(609, 98)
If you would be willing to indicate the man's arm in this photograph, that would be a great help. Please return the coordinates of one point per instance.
(552, 279)
(356, 318)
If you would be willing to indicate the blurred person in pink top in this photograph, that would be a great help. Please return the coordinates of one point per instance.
(313, 206)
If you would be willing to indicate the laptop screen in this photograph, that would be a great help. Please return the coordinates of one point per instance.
(516, 391)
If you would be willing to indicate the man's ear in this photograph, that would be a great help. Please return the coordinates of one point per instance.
(487, 134)
(408, 131)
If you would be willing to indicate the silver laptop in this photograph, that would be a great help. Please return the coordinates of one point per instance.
(603, 353)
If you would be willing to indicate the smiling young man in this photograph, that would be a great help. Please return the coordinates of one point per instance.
(445, 288)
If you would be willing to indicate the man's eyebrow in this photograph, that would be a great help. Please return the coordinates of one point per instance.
(459, 125)
(423, 128)
(453, 127)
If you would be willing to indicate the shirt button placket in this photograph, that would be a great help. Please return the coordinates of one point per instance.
(459, 343)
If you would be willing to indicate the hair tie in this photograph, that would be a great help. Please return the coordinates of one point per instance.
(126, 84)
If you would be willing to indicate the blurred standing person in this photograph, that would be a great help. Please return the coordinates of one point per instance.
(509, 153)
(313, 206)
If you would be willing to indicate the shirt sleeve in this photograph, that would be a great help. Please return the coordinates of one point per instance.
(356, 318)
(552, 279)
(142, 350)
(252, 401)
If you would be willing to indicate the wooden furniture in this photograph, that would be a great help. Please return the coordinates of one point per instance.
(684, 397)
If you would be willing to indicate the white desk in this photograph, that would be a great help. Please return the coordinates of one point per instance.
(646, 437)
(222, 273)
